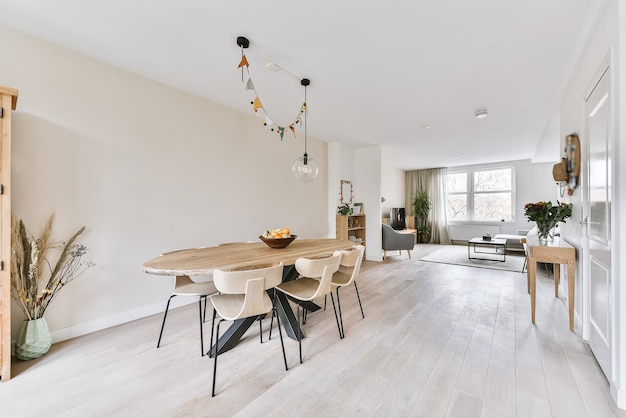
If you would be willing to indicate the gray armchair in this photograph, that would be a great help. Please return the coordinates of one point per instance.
(395, 241)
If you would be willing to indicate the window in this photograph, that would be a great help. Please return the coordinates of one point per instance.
(480, 195)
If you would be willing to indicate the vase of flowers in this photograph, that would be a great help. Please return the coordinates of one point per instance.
(547, 216)
(36, 280)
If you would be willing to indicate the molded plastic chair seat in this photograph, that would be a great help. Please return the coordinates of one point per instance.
(187, 287)
(342, 279)
(304, 288)
(229, 306)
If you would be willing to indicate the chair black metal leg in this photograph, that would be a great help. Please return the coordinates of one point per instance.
(213, 328)
(274, 311)
(341, 331)
(359, 298)
(204, 314)
(201, 322)
(332, 299)
(280, 332)
(215, 357)
(261, 328)
(325, 297)
(164, 317)
(300, 332)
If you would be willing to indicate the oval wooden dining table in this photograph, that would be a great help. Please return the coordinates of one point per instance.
(202, 261)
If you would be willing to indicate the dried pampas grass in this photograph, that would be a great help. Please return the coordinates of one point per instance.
(34, 282)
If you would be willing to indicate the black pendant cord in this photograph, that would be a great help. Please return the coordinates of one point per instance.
(242, 55)
(243, 42)
(305, 82)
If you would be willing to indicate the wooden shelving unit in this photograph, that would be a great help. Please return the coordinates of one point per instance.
(8, 101)
(351, 226)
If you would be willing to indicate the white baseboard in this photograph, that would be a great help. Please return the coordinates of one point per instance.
(114, 320)
(619, 396)
(117, 319)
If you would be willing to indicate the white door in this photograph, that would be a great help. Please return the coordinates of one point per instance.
(597, 211)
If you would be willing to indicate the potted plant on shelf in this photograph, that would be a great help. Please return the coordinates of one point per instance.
(344, 210)
(36, 281)
(421, 208)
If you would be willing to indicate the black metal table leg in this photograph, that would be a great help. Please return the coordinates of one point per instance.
(232, 335)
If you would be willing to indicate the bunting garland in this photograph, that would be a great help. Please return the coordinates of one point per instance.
(257, 105)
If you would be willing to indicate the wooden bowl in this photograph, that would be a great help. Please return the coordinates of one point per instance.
(278, 242)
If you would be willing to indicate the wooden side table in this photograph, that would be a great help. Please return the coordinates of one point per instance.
(556, 252)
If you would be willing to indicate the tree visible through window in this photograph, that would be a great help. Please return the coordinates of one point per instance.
(480, 195)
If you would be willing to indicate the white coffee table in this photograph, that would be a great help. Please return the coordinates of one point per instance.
(494, 246)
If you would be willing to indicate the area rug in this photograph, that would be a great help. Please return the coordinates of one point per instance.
(457, 255)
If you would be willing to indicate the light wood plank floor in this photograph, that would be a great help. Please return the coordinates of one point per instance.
(437, 341)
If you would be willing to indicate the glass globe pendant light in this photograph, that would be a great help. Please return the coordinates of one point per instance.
(305, 168)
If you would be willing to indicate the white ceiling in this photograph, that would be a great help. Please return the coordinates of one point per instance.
(379, 70)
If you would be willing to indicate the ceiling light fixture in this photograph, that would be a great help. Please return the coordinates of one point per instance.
(481, 114)
(305, 168)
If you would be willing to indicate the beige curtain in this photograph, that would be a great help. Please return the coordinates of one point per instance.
(433, 182)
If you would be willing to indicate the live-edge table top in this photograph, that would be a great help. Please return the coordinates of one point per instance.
(201, 261)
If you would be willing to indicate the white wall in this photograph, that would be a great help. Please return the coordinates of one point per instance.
(392, 187)
(147, 169)
(362, 166)
(367, 173)
(340, 167)
(606, 41)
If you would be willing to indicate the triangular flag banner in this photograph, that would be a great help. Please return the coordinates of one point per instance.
(244, 61)
(258, 107)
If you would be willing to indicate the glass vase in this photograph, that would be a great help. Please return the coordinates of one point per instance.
(545, 232)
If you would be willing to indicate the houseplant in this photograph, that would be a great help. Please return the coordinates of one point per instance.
(36, 280)
(344, 210)
(547, 216)
(421, 208)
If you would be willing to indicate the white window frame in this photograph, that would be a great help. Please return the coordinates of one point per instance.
(471, 193)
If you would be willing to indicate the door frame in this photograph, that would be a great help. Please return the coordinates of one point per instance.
(607, 64)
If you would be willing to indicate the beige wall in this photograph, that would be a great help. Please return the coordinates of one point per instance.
(147, 169)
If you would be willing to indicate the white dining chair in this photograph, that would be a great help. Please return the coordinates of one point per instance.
(348, 272)
(314, 282)
(243, 294)
(184, 286)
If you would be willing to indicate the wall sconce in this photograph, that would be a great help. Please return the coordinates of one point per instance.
(567, 172)
(560, 175)
(572, 156)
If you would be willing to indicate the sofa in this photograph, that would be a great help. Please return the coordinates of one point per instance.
(395, 241)
(514, 242)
